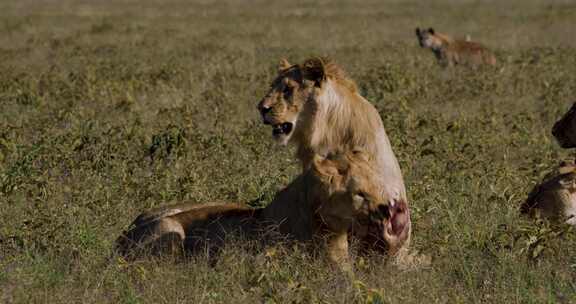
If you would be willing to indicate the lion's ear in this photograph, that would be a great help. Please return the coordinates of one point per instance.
(567, 166)
(568, 183)
(566, 169)
(431, 31)
(418, 31)
(283, 65)
(314, 70)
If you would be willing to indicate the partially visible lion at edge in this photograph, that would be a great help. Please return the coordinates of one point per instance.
(316, 106)
(339, 194)
(555, 197)
(564, 129)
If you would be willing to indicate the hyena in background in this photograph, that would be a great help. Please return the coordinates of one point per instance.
(449, 51)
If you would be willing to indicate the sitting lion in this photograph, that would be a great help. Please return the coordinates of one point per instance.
(555, 197)
(317, 107)
(451, 52)
(564, 130)
(338, 194)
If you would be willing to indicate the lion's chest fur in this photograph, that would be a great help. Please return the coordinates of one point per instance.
(345, 121)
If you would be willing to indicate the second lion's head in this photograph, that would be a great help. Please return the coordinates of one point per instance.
(352, 200)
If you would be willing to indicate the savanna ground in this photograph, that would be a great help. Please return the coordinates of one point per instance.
(108, 108)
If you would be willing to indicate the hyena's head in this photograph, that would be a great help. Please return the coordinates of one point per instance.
(427, 38)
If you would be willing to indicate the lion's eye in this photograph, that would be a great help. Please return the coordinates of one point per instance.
(286, 93)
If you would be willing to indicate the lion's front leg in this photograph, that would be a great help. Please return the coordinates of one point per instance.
(337, 250)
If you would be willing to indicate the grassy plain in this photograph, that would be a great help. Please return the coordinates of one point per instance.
(108, 108)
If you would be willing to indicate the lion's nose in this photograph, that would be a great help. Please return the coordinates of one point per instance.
(265, 109)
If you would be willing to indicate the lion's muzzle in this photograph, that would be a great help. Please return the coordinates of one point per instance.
(263, 111)
(399, 217)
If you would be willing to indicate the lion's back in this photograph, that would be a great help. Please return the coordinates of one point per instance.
(188, 221)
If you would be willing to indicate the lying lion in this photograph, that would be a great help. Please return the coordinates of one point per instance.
(564, 130)
(337, 195)
(451, 52)
(318, 108)
(555, 197)
(168, 230)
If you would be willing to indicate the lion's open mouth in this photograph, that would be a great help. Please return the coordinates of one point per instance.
(399, 217)
(282, 129)
(385, 229)
(391, 218)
